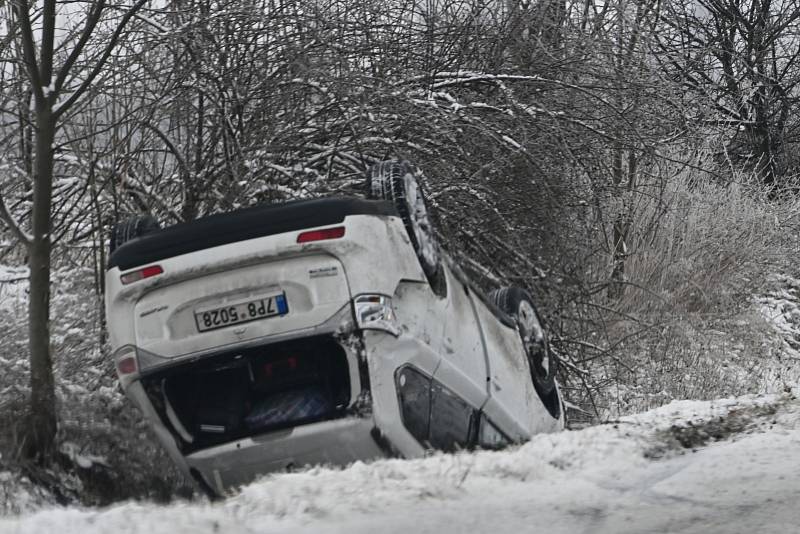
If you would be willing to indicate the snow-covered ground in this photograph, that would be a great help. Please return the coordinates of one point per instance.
(725, 466)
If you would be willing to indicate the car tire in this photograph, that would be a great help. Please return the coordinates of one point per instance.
(518, 303)
(396, 182)
(132, 228)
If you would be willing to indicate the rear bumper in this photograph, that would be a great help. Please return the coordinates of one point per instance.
(338, 442)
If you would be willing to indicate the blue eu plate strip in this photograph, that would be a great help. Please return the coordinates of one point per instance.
(283, 308)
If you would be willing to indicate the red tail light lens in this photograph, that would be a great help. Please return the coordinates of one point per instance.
(126, 361)
(127, 365)
(321, 235)
(141, 274)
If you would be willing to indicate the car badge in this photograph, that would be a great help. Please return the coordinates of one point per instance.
(240, 331)
(323, 271)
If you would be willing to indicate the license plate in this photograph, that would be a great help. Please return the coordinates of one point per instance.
(241, 312)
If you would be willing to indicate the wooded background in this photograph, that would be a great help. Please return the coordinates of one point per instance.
(633, 163)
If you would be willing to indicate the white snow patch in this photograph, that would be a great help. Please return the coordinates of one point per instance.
(781, 309)
(13, 288)
(81, 459)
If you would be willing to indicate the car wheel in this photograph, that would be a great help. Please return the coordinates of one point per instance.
(130, 229)
(396, 181)
(518, 303)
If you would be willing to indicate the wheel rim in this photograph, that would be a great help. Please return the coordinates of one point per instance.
(533, 335)
(420, 222)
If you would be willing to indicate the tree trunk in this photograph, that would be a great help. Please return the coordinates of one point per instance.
(46, 84)
(41, 432)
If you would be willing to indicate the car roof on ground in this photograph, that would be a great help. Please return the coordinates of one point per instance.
(240, 225)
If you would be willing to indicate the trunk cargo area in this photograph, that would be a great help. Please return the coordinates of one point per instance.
(243, 393)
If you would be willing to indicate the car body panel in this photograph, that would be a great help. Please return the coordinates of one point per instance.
(165, 321)
(385, 355)
(337, 442)
(463, 348)
(514, 402)
(367, 240)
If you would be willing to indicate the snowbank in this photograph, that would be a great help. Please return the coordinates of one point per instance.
(724, 466)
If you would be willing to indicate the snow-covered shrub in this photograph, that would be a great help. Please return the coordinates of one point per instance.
(107, 451)
(687, 324)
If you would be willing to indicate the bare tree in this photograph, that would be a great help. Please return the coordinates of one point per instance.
(742, 58)
(60, 65)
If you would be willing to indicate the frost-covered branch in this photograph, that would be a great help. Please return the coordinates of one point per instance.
(100, 62)
(13, 224)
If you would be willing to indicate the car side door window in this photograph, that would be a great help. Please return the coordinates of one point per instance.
(414, 394)
(436, 417)
(489, 436)
(453, 421)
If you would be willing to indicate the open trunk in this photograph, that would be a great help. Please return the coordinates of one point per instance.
(251, 391)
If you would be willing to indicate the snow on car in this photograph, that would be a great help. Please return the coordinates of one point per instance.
(320, 331)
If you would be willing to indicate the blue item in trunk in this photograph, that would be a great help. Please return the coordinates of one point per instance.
(287, 407)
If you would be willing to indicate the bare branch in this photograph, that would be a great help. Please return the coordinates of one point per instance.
(101, 61)
(48, 39)
(182, 163)
(91, 22)
(12, 224)
(28, 50)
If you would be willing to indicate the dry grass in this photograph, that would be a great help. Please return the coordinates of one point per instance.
(687, 325)
(703, 248)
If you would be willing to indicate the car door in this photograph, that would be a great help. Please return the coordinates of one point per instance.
(463, 367)
(513, 404)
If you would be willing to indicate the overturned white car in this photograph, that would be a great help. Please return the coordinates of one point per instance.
(320, 331)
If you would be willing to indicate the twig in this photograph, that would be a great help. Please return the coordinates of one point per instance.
(12, 223)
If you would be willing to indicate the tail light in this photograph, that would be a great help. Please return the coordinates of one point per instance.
(141, 274)
(375, 312)
(321, 235)
(127, 364)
